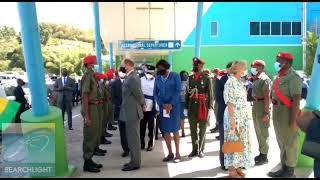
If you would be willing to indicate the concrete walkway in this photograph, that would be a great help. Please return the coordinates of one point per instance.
(152, 165)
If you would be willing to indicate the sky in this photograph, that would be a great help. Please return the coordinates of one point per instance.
(77, 14)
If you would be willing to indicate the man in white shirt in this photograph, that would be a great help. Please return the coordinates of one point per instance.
(147, 86)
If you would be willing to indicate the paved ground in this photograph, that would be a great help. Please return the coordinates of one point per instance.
(152, 165)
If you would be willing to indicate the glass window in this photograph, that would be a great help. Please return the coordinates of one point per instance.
(296, 28)
(214, 28)
(286, 28)
(254, 28)
(275, 28)
(265, 28)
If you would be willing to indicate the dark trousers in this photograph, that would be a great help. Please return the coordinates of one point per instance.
(123, 135)
(148, 119)
(66, 106)
(316, 168)
(220, 114)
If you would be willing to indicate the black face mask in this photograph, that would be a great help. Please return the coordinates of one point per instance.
(162, 71)
(122, 69)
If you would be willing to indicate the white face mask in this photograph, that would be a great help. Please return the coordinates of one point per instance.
(122, 75)
(107, 82)
(101, 81)
(149, 76)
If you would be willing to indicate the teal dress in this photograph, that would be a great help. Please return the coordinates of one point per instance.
(235, 93)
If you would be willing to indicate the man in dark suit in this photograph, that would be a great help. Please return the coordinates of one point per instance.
(132, 112)
(65, 86)
(116, 93)
(218, 91)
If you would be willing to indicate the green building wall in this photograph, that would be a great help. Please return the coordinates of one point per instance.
(219, 56)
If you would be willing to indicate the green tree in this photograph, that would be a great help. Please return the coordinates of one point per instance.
(7, 33)
(312, 43)
(45, 31)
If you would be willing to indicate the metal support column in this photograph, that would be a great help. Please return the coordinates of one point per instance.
(198, 30)
(33, 58)
(97, 36)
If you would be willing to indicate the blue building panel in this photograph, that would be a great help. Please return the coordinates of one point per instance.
(233, 22)
(313, 16)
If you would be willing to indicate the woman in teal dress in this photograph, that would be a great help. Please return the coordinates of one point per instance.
(236, 117)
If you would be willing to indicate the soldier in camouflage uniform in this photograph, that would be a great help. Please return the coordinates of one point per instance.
(286, 95)
(198, 103)
(89, 111)
(261, 108)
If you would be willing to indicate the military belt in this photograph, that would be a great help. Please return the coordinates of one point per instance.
(96, 102)
(275, 102)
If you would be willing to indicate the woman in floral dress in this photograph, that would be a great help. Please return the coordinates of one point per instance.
(236, 117)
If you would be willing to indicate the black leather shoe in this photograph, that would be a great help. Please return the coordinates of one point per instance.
(129, 168)
(100, 150)
(89, 167)
(112, 128)
(217, 137)
(125, 165)
(70, 129)
(96, 165)
(108, 135)
(125, 154)
(114, 123)
(142, 147)
(278, 173)
(98, 154)
(193, 154)
(214, 130)
(201, 155)
(224, 168)
(150, 148)
(105, 141)
(170, 157)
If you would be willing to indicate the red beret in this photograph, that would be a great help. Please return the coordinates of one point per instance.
(195, 59)
(222, 72)
(216, 70)
(109, 73)
(207, 71)
(90, 59)
(258, 63)
(285, 55)
(99, 75)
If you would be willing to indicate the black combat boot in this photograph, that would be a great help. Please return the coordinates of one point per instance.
(262, 160)
(96, 165)
(193, 153)
(90, 167)
(289, 172)
(257, 158)
(100, 150)
(278, 173)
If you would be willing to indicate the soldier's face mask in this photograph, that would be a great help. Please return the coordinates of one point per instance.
(277, 66)
(96, 67)
(254, 71)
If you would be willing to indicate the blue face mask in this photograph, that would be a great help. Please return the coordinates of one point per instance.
(254, 71)
(277, 66)
(184, 78)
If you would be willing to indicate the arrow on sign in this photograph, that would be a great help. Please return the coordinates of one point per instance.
(177, 44)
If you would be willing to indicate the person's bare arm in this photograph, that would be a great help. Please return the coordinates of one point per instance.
(230, 107)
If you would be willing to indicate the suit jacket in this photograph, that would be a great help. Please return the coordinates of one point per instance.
(219, 88)
(67, 93)
(116, 92)
(132, 99)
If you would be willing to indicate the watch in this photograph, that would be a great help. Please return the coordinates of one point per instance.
(316, 113)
